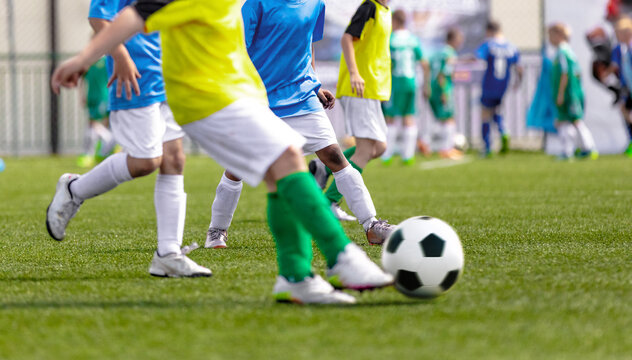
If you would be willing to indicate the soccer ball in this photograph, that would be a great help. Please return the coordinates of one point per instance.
(460, 142)
(424, 255)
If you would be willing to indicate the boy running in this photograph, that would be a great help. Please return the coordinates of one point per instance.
(143, 125)
(295, 96)
(441, 92)
(405, 53)
(364, 81)
(501, 58)
(218, 97)
(569, 96)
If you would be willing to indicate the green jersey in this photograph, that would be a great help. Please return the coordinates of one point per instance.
(405, 53)
(565, 62)
(442, 63)
(97, 84)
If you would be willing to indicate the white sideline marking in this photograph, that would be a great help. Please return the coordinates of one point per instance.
(445, 163)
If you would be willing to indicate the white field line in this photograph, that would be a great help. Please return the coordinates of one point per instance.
(444, 163)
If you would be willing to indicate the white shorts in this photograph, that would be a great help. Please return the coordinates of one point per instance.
(245, 138)
(142, 131)
(364, 118)
(315, 128)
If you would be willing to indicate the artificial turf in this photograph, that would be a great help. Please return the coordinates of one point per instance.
(548, 273)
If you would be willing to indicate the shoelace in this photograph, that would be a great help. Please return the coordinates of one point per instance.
(189, 248)
(216, 234)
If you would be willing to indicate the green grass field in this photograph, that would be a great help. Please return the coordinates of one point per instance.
(548, 274)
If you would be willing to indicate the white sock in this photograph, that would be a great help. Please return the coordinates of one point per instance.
(170, 201)
(566, 131)
(351, 186)
(225, 203)
(586, 141)
(447, 136)
(410, 142)
(90, 138)
(392, 131)
(112, 172)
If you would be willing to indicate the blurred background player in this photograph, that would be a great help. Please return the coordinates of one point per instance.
(405, 54)
(364, 81)
(501, 58)
(98, 142)
(143, 124)
(569, 96)
(622, 65)
(295, 95)
(441, 97)
(220, 100)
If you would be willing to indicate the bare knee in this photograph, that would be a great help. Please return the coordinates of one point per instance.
(173, 158)
(378, 149)
(142, 167)
(333, 157)
(291, 161)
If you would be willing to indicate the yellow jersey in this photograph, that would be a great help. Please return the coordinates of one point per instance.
(371, 24)
(204, 59)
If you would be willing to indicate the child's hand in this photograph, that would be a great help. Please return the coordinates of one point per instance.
(560, 99)
(357, 84)
(326, 98)
(68, 74)
(125, 73)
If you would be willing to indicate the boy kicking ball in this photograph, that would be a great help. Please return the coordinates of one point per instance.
(218, 97)
(295, 96)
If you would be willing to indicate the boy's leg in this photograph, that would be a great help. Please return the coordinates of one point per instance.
(143, 155)
(486, 119)
(410, 139)
(222, 210)
(170, 202)
(504, 137)
(566, 133)
(586, 141)
(392, 132)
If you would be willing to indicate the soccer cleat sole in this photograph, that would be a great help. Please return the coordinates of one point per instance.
(196, 275)
(335, 282)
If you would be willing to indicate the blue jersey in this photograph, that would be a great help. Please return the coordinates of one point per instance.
(622, 56)
(500, 56)
(279, 37)
(144, 49)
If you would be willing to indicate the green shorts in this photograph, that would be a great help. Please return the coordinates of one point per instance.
(402, 101)
(98, 112)
(571, 110)
(442, 111)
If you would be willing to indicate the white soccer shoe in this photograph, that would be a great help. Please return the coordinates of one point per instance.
(216, 238)
(379, 231)
(176, 265)
(319, 171)
(62, 208)
(312, 290)
(354, 270)
(341, 214)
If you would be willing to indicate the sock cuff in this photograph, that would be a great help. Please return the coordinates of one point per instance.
(170, 183)
(231, 184)
(119, 168)
(355, 166)
(410, 130)
(348, 170)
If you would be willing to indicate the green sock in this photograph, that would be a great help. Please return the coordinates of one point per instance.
(332, 194)
(293, 242)
(309, 207)
(348, 154)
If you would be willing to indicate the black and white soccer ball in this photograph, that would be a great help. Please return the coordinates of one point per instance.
(425, 256)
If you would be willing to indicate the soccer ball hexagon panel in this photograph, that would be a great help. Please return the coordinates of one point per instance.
(425, 256)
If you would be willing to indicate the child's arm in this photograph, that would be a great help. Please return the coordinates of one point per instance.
(127, 23)
(125, 71)
(357, 82)
(425, 65)
(563, 80)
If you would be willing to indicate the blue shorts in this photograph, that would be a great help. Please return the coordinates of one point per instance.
(491, 102)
